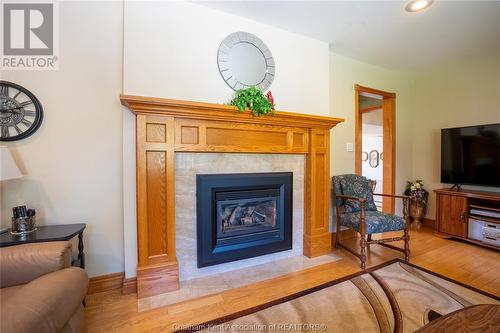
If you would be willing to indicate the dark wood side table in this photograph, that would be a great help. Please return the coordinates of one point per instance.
(50, 233)
(480, 318)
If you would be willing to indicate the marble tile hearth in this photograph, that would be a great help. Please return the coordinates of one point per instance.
(216, 283)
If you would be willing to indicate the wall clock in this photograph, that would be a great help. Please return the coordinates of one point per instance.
(21, 112)
(374, 158)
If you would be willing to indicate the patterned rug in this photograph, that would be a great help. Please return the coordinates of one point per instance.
(393, 297)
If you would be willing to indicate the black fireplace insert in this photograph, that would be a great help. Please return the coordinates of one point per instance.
(243, 215)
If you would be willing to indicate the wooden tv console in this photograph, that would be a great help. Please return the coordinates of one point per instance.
(453, 212)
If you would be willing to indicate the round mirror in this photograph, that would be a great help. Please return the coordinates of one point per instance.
(245, 61)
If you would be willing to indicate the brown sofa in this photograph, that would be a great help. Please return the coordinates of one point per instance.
(40, 291)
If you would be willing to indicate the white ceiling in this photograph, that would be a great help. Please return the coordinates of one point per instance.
(382, 32)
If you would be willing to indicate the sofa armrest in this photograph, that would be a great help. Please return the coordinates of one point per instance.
(21, 264)
(45, 304)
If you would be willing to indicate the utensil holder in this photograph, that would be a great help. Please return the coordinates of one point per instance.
(23, 225)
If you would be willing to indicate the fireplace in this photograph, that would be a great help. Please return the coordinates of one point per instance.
(166, 127)
(242, 215)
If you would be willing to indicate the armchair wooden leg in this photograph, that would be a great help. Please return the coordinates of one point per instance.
(406, 214)
(407, 244)
(337, 232)
(362, 245)
(362, 231)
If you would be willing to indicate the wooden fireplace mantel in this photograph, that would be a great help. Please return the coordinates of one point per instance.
(167, 126)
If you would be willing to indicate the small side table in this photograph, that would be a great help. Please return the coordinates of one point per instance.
(50, 233)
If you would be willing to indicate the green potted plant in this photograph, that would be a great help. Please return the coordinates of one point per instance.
(418, 200)
(253, 98)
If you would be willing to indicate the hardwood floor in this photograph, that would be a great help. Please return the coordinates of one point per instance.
(476, 266)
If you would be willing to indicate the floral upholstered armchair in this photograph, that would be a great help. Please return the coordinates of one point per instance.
(355, 209)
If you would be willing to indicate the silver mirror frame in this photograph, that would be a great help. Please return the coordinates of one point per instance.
(225, 66)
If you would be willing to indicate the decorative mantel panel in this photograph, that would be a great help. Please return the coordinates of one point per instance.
(166, 126)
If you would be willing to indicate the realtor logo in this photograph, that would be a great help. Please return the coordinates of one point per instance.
(29, 32)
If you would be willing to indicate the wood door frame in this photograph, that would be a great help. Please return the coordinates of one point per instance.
(389, 139)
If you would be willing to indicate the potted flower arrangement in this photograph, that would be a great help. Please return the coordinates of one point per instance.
(418, 202)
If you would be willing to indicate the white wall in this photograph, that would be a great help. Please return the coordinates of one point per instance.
(451, 96)
(171, 51)
(73, 163)
(344, 73)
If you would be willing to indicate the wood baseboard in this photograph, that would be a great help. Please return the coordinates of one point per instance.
(112, 281)
(348, 233)
(429, 222)
(105, 282)
(129, 286)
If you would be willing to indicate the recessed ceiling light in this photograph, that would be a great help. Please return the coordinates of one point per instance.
(418, 5)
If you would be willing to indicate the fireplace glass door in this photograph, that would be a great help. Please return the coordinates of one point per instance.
(242, 215)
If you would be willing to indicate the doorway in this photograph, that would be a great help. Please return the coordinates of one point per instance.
(375, 141)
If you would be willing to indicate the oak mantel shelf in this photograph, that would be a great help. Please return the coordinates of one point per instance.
(211, 111)
(165, 127)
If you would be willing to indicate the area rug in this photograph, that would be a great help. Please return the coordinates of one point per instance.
(393, 297)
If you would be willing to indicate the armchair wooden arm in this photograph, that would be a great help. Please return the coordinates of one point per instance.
(351, 198)
(362, 202)
(392, 195)
(406, 202)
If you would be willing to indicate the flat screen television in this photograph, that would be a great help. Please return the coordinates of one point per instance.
(471, 155)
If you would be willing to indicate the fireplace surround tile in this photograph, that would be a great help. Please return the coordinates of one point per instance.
(188, 165)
